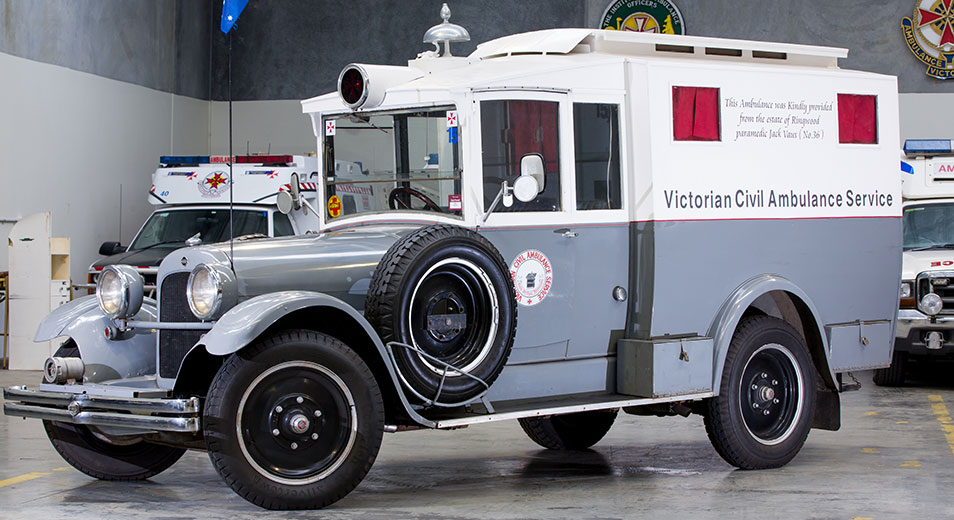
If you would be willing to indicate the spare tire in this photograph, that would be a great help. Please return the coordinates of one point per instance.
(446, 291)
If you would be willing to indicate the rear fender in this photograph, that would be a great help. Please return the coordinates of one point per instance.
(727, 320)
(105, 359)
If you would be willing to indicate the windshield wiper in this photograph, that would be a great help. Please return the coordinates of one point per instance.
(166, 242)
(932, 246)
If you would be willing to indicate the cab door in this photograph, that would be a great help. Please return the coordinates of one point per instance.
(567, 248)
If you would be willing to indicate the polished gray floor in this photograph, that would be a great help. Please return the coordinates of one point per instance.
(893, 458)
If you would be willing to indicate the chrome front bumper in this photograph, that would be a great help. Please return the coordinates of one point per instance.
(912, 327)
(69, 403)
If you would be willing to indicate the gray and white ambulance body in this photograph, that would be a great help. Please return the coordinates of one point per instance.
(564, 224)
(926, 315)
(191, 195)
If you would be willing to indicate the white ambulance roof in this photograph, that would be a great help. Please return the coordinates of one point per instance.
(206, 182)
(493, 64)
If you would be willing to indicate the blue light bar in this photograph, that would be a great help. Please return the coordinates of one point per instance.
(927, 146)
(179, 160)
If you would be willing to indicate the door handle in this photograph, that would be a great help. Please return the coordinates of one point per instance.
(566, 232)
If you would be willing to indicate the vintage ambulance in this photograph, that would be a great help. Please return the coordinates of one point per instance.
(191, 195)
(926, 315)
(562, 225)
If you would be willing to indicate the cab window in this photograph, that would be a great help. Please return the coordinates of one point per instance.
(596, 143)
(511, 129)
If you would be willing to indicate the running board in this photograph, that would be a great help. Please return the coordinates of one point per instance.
(506, 412)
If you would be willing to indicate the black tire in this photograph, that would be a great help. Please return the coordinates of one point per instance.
(763, 413)
(102, 457)
(894, 374)
(572, 431)
(447, 272)
(322, 400)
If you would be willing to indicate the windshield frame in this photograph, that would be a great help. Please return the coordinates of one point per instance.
(329, 161)
(918, 206)
(181, 243)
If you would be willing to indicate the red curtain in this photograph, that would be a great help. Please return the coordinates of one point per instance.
(857, 119)
(695, 113)
(534, 127)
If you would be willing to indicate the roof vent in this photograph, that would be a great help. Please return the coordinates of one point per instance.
(446, 32)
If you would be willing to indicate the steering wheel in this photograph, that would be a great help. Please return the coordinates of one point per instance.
(394, 201)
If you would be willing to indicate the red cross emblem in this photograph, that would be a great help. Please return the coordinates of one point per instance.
(330, 127)
(451, 118)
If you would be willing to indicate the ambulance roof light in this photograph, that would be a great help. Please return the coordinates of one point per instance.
(182, 160)
(263, 159)
(927, 146)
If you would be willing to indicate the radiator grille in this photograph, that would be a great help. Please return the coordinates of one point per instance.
(938, 282)
(175, 344)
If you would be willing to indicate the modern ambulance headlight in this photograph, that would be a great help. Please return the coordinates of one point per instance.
(931, 304)
(206, 290)
(119, 291)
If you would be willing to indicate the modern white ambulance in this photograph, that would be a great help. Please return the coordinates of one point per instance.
(191, 195)
(926, 315)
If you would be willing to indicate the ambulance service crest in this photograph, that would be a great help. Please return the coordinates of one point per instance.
(532, 276)
(929, 34)
(214, 184)
(653, 16)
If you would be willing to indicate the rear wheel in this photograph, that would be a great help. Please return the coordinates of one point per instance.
(294, 421)
(894, 374)
(763, 413)
(107, 457)
(572, 431)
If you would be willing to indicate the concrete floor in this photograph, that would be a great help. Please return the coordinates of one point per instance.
(893, 458)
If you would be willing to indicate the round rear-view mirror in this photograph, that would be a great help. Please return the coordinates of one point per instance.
(525, 188)
(284, 201)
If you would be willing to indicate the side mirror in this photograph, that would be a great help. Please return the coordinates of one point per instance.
(531, 165)
(111, 248)
(291, 199)
(525, 188)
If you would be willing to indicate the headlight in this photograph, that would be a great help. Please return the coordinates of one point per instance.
(931, 304)
(905, 289)
(204, 292)
(119, 291)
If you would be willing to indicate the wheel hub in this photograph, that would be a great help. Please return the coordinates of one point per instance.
(770, 404)
(295, 421)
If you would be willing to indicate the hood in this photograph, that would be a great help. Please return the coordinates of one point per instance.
(338, 263)
(150, 257)
(916, 262)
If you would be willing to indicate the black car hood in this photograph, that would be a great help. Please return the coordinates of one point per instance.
(150, 257)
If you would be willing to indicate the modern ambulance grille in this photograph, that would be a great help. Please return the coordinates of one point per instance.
(175, 344)
(941, 283)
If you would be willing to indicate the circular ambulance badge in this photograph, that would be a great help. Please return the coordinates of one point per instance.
(532, 276)
(653, 16)
(334, 206)
(214, 184)
(930, 36)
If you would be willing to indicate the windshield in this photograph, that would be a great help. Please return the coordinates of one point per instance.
(929, 225)
(174, 227)
(392, 161)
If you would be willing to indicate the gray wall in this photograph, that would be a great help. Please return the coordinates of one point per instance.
(160, 44)
(294, 49)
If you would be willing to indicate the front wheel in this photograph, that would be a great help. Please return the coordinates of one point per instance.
(763, 413)
(294, 421)
(894, 374)
(107, 457)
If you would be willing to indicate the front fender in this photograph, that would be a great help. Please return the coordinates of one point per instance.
(105, 359)
(248, 320)
(726, 321)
